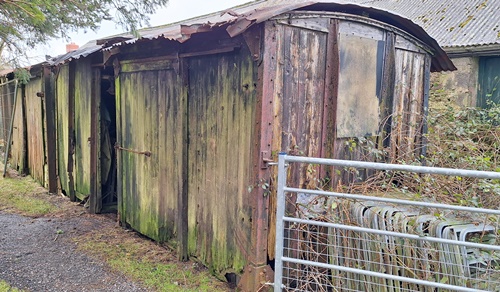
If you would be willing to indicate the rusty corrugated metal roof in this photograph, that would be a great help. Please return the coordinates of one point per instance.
(240, 18)
(457, 23)
(82, 52)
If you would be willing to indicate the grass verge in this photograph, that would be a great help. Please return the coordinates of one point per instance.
(125, 252)
(5, 287)
(143, 260)
(24, 196)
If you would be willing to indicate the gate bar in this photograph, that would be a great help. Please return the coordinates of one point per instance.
(393, 201)
(395, 167)
(11, 128)
(381, 275)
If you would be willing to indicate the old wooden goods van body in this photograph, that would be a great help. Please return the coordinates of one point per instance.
(198, 110)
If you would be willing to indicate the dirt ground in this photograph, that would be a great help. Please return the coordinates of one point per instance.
(43, 254)
(34, 257)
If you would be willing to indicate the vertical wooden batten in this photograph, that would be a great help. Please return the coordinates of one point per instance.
(330, 96)
(387, 91)
(50, 126)
(71, 130)
(182, 201)
(257, 270)
(119, 178)
(95, 198)
(425, 110)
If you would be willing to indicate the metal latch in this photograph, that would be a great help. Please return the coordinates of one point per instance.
(145, 153)
(266, 160)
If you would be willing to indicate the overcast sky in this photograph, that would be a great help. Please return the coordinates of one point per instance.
(176, 10)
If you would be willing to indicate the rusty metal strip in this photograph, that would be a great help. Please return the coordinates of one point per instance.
(145, 153)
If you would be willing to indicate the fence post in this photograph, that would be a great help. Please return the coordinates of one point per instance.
(280, 213)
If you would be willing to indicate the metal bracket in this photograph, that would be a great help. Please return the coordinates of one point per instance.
(265, 159)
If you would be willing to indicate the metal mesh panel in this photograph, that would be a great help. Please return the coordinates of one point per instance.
(362, 243)
(7, 108)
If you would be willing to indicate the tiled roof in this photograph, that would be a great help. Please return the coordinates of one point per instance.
(453, 23)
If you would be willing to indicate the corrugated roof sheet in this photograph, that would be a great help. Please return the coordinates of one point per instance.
(240, 18)
(82, 52)
(453, 23)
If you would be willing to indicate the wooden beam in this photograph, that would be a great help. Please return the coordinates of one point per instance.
(95, 198)
(50, 128)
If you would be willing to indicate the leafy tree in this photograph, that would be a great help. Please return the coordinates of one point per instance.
(25, 23)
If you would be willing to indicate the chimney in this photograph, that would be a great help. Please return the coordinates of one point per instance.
(71, 47)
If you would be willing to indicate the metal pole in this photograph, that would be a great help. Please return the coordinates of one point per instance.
(7, 149)
(280, 213)
(394, 234)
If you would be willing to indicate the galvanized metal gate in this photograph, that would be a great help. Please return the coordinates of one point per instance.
(8, 93)
(353, 242)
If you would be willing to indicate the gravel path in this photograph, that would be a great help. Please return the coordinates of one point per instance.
(34, 257)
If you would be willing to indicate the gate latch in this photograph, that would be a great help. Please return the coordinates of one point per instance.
(265, 159)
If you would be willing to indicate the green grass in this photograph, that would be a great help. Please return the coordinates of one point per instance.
(24, 196)
(148, 263)
(5, 287)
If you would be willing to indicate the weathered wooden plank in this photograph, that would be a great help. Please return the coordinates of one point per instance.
(35, 130)
(181, 166)
(120, 173)
(415, 96)
(425, 107)
(222, 110)
(398, 103)
(83, 95)
(71, 130)
(387, 91)
(50, 129)
(62, 122)
(276, 62)
(152, 65)
(361, 30)
(95, 199)
(330, 91)
(302, 70)
(18, 151)
(408, 112)
(403, 43)
(171, 136)
(152, 120)
(315, 24)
